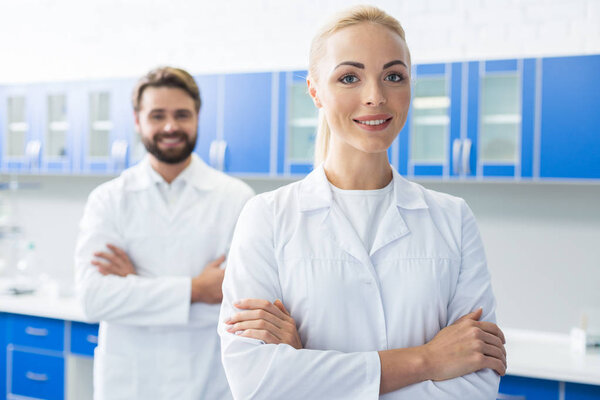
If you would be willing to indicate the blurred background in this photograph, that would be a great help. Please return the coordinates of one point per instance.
(505, 113)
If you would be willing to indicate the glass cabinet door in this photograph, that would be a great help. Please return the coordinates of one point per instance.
(16, 128)
(500, 116)
(57, 127)
(302, 126)
(430, 121)
(100, 125)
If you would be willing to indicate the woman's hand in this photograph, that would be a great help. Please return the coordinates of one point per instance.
(115, 262)
(266, 321)
(466, 346)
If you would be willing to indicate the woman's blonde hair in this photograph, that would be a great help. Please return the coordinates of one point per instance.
(350, 17)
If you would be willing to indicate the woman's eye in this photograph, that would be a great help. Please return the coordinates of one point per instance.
(349, 79)
(394, 78)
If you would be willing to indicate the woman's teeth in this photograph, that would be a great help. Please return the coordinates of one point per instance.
(372, 122)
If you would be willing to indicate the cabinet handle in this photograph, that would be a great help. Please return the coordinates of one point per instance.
(33, 149)
(93, 339)
(30, 330)
(36, 377)
(216, 154)
(456, 155)
(466, 156)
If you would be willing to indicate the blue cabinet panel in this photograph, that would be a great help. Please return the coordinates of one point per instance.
(499, 170)
(43, 333)
(570, 121)
(455, 110)
(247, 122)
(501, 66)
(209, 113)
(428, 170)
(578, 391)
(532, 389)
(403, 142)
(84, 338)
(473, 112)
(284, 79)
(300, 169)
(431, 69)
(528, 117)
(37, 375)
(2, 355)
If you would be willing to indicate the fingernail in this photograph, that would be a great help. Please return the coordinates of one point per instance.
(239, 332)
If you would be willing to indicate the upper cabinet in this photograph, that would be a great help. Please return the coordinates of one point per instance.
(511, 119)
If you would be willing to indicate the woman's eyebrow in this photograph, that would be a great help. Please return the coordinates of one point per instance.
(351, 63)
(394, 62)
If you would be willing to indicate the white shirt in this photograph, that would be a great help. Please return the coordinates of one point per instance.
(426, 269)
(153, 343)
(364, 209)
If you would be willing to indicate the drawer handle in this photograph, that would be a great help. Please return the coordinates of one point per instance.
(93, 339)
(36, 377)
(36, 331)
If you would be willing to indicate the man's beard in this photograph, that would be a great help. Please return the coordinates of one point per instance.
(172, 155)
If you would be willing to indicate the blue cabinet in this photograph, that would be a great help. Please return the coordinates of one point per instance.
(247, 122)
(33, 352)
(211, 113)
(570, 121)
(578, 391)
(530, 388)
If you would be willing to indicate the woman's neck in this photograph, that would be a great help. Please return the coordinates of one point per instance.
(352, 169)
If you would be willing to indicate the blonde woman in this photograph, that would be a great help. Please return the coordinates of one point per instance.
(355, 283)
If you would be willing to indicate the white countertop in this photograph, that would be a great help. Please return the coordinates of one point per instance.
(530, 354)
(65, 308)
(549, 356)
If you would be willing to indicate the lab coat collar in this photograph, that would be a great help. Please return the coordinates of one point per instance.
(198, 174)
(315, 192)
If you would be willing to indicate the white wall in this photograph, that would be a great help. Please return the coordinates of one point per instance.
(72, 39)
(542, 240)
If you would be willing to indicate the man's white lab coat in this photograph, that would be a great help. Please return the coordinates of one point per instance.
(426, 269)
(153, 343)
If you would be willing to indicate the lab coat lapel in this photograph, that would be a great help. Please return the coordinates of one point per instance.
(407, 196)
(340, 230)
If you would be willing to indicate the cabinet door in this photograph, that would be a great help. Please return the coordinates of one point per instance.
(570, 121)
(36, 375)
(20, 128)
(429, 125)
(211, 113)
(2, 354)
(301, 117)
(578, 391)
(532, 389)
(247, 122)
(105, 136)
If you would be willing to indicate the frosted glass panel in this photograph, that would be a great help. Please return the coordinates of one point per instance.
(500, 118)
(100, 124)
(56, 133)
(430, 121)
(302, 124)
(16, 127)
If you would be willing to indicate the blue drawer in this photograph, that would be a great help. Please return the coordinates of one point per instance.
(580, 391)
(41, 333)
(84, 338)
(37, 375)
(530, 388)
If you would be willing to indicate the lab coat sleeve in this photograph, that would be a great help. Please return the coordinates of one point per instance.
(267, 371)
(473, 290)
(131, 300)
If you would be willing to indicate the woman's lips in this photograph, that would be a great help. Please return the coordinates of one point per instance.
(373, 122)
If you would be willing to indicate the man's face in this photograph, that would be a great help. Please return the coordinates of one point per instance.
(167, 122)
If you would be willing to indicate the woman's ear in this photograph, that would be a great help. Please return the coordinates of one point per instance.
(312, 91)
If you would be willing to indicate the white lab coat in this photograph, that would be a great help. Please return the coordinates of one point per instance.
(426, 269)
(153, 344)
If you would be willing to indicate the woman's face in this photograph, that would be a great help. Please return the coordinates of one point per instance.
(363, 86)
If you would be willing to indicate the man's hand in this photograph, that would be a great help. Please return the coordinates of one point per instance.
(266, 321)
(206, 287)
(115, 262)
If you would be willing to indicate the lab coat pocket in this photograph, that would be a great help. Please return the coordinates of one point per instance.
(115, 376)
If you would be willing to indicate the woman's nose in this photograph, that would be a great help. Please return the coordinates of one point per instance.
(374, 95)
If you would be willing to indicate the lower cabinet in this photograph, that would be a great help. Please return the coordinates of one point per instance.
(523, 388)
(42, 358)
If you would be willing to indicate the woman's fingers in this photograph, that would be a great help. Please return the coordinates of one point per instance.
(494, 341)
(250, 315)
(492, 328)
(260, 334)
(257, 324)
(255, 304)
(280, 306)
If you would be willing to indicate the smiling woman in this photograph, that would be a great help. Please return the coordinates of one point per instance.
(355, 282)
